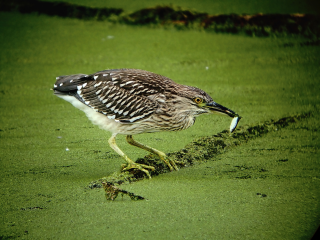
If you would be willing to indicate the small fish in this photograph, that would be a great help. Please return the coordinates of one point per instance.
(234, 123)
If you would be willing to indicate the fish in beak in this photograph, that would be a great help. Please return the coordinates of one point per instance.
(217, 108)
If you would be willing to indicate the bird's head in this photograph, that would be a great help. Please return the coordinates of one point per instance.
(201, 102)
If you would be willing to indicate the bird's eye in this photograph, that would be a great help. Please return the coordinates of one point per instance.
(198, 100)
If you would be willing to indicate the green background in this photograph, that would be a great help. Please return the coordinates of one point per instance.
(44, 192)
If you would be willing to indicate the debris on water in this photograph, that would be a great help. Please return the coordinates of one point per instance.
(262, 194)
(113, 191)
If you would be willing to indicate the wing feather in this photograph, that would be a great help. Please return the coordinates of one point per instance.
(127, 95)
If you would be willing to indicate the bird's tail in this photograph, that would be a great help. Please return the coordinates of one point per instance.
(66, 84)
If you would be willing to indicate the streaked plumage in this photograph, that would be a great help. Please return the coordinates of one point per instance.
(131, 101)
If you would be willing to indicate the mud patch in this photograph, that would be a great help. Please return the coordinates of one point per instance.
(61, 9)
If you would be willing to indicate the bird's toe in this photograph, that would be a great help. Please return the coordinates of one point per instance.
(141, 167)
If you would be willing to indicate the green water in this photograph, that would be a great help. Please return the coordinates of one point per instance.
(44, 194)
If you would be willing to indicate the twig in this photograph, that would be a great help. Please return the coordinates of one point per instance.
(113, 191)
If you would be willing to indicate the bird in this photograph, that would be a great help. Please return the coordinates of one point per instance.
(134, 101)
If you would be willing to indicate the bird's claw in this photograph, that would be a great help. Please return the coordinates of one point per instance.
(171, 163)
(141, 167)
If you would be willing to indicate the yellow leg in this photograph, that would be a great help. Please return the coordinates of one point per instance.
(131, 164)
(162, 155)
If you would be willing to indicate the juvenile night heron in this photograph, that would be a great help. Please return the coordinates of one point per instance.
(131, 101)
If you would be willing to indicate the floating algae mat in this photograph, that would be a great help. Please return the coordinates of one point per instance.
(201, 149)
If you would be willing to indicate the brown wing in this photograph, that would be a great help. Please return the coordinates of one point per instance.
(127, 95)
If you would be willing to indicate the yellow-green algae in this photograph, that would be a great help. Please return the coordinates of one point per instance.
(267, 188)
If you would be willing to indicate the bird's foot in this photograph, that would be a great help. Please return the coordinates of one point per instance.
(171, 163)
(141, 167)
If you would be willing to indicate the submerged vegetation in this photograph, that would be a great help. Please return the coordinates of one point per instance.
(263, 25)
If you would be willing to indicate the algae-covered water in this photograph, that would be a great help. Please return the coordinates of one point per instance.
(266, 188)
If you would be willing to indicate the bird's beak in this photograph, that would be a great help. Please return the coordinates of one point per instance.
(217, 108)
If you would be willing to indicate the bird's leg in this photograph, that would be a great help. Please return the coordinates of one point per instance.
(162, 155)
(131, 164)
